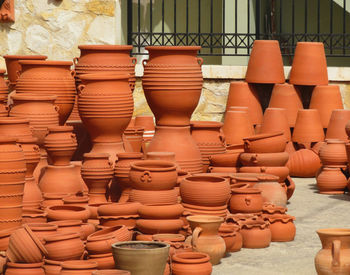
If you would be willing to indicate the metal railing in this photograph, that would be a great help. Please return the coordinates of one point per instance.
(229, 27)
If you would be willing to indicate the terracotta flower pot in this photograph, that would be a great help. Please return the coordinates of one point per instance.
(148, 197)
(255, 233)
(287, 97)
(303, 163)
(309, 64)
(265, 143)
(67, 212)
(25, 269)
(282, 227)
(264, 159)
(80, 267)
(246, 200)
(308, 127)
(236, 127)
(333, 152)
(275, 120)
(337, 123)
(265, 56)
(331, 181)
(160, 211)
(42, 230)
(191, 263)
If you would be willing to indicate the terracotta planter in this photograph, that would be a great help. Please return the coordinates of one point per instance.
(337, 123)
(246, 200)
(282, 227)
(309, 64)
(25, 269)
(191, 263)
(256, 234)
(264, 159)
(160, 211)
(265, 143)
(80, 267)
(157, 226)
(331, 181)
(154, 197)
(275, 120)
(265, 55)
(308, 127)
(303, 163)
(334, 255)
(205, 228)
(333, 153)
(67, 212)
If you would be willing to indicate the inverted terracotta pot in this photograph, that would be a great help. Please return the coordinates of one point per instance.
(241, 94)
(265, 57)
(275, 120)
(337, 123)
(303, 163)
(237, 126)
(308, 127)
(309, 64)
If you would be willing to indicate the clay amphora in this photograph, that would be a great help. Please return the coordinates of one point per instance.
(334, 257)
(140, 257)
(336, 126)
(326, 98)
(78, 267)
(205, 237)
(265, 55)
(282, 227)
(25, 269)
(303, 163)
(331, 180)
(193, 263)
(287, 97)
(246, 200)
(265, 143)
(308, 127)
(333, 152)
(256, 233)
(275, 120)
(309, 64)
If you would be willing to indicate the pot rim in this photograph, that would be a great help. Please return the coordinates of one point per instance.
(119, 245)
(24, 57)
(129, 155)
(246, 190)
(205, 219)
(25, 265)
(173, 48)
(205, 124)
(334, 231)
(105, 233)
(199, 257)
(104, 76)
(262, 136)
(45, 62)
(61, 237)
(79, 264)
(105, 47)
(34, 97)
(150, 165)
(59, 129)
(210, 179)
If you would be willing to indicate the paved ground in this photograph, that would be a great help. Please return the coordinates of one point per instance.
(312, 211)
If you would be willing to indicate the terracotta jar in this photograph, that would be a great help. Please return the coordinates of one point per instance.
(282, 227)
(205, 190)
(25, 269)
(264, 159)
(80, 267)
(205, 237)
(153, 175)
(246, 200)
(308, 127)
(265, 55)
(275, 120)
(32, 215)
(147, 197)
(331, 180)
(52, 267)
(104, 261)
(303, 163)
(191, 263)
(166, 139)
(333, 152)
(336, 127)
(255, 233)
(67, 212)
(232, 236)
(309, 64)
(237, 126)
(42, 230)
(333, 258)
(271, 190)
(287, 97)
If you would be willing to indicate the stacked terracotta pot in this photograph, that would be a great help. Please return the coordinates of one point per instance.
(4, 89)
(172, 83)
(227, 162)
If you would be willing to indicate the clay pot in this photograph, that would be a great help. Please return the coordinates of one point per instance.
(282, 227)
(337, 123)
(146, 122)
(176, 242)
(30, 215)
(80, 267)
(111, 272)
(246, 200)
(25, 269)
(191, 263)
(205, 236)
(255, 233)
(76, 200)
(232, 236)
(10, 216)
(264, 159)
(308, 127)
(275, 120)
(134, 135)
(238, 120)
(265, 55)
(157, 226)
(15, 127)
(104, 261)
(280, 171)
(119, 209)
(333, 152)
(67, 212)
(309, 64)
(42, 230)
(53, 199)
(151, 257)
(303, 163)
(166, 139)
(212, 169)
(331, 180)
(265, 143)
(334, 255)
(205, 190)
(287, 97)
(24, 246)
(52, 267)
(160, 211)
(225, 160)
(147, 197)
(68, 226)
(4, 89)
(271, 190)
(5, 237)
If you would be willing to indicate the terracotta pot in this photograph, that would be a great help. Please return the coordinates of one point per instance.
(255, 233)
(15, 127)
(191, 263)
(232, 236)
(334, 255)
(147, 122)
(4, 87)
(151, 257)
(246, 200)
(128, 220)
(187, 156)
(68, 226)
(25, 269)
(111, 272)
(157, 226)
(5, 237)
(30, 215)
(10, 216)
(119, 209)
(333, 153)
(76, 200)
(96, 161)
(67, 212)
(104, 261)
(237, 120)
(219, 169)
(176, 242)
(25, 247)
(315, 72)
(331, 181)
(134, 136)
(337, 123)
(280, 171)
(225, 160)
(53, 199)
(308, 127)
(265, 143)
(303, 163)
(42, 230)
(205, 190)
(52, 267)
(264, 159)
(160, 211)
(271, 190)
(287, 97)
(282, 227)
(80, 267)
(154, 197)
(205, 236)
(265, 55)
(275, 120)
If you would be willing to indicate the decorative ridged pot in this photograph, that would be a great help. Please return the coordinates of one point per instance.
(246, 200)
(105, 106)
(13, 66)
(282, 227)
(44, 77)
(186, 263)
(256, 233)
(333, 152)
(331, 180)
(168, 139)
(67, 212)
(141, 258)
(78, 267)
(265, 143)
(4, 89)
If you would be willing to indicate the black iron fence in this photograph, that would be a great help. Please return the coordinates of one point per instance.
(229, 27)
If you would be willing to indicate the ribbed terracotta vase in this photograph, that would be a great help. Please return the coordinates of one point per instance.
(325, 99)
(337, 123)
(331, 180)
(303, 163)
(309, 64)
(241, 94)
(275, 120)
(237, 125)
(334, 152)
(265, 57)
(308, 127)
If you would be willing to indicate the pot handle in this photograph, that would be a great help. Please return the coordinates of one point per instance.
(336, 244)
(75, 60)
(254, 158)
(222, 139)
(144, 62)
(18, 73)
(195, 235)
(73, 73)
(133, 60)
(146, 176)
(36, 148)
(200, 61)
(247, 144)
(248, 200)
(84, 256)
(73, 136)
(57, 108)
(263, 169)
(7, 82)
(80, 89)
